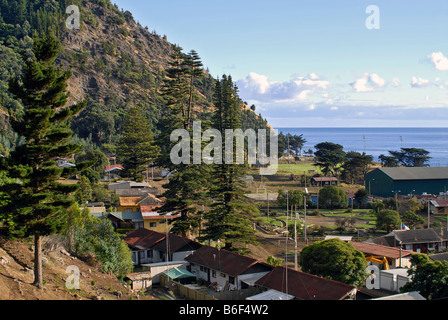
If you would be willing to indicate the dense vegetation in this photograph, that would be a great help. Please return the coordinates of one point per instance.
(118, 64)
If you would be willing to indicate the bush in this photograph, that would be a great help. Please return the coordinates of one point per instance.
(99, 240)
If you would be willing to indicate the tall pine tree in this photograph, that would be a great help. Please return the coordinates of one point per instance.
(36, 201)
(185, 188)
(136, 148)
(229, 219)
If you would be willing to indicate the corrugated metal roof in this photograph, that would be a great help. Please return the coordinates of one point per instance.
(416, 173)
(379, 250)
(221, 260)
(305, 286)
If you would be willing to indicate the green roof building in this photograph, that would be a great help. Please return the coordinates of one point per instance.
(387, 182)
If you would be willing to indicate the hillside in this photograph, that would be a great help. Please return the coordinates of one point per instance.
(116, 63)
(16, 276)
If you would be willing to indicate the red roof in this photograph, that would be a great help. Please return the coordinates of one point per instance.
(380, 250)
(221, 260)
(143, 238)
(149, 208)
(176, 243)
(305, 286)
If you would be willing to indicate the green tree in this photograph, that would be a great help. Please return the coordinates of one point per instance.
(273, 261)
(331, 197)
(356, 166)
(411, 157)
(336, 260)
(329, 157)
(229, 219)
(388, 220)
(429, 278)
(411, 219)
(84, 192)
(136, 149)
(388, 161)
(185, 190)
(361, 197)
(291, 197)
(37, 201)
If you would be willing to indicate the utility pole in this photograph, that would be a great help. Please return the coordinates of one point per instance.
(296, 263)
(304, 206)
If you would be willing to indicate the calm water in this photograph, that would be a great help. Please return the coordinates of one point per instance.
(377, 141)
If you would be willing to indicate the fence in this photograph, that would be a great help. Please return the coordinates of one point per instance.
(192, 292)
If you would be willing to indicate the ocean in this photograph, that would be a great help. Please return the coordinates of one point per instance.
(377, 141)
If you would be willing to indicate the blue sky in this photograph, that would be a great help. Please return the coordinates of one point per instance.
(315, 63)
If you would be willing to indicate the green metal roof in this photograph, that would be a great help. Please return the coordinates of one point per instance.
(177, 273)
(416, 173)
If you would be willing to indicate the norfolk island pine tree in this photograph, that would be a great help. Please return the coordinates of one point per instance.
(36, 202)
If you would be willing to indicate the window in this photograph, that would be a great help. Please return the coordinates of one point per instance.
(153, 224)
(231, 280)
(213, 273)
(223, 275)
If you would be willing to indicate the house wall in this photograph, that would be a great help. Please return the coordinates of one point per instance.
(392, 282)
(405, 262)
(220, 278)
(160, 225)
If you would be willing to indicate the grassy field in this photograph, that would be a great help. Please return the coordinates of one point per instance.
(297, 168)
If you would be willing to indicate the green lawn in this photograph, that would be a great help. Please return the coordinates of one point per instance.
(296, 169)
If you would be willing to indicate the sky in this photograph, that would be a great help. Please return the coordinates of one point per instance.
(320, 63)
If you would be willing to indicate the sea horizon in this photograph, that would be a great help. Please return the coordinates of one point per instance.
(379, 140)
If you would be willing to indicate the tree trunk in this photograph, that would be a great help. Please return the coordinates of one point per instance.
(38, 279)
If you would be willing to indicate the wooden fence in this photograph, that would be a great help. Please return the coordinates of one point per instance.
(201, 293)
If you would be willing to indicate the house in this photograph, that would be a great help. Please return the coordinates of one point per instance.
(394, 280)
(128, 185)
(439, 206)
(95, 208)
(156, 221)
(64, 163)
(139, 280)
(304, 286)
(133, 189)
(419, 240)
(324, 181)
(112, 172)
(132, 204)
(271, 295)
(177, 248)
(140, 242)
(126, 220)
(150, 247)
(228, 270)
(395, 257)
(439, 256)
(388, 182)
(414, 296)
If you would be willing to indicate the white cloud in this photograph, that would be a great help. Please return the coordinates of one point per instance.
(395, 82)
(439, 61)
(420, 83)
(259, 87)
(311, 107)
(368, 83)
